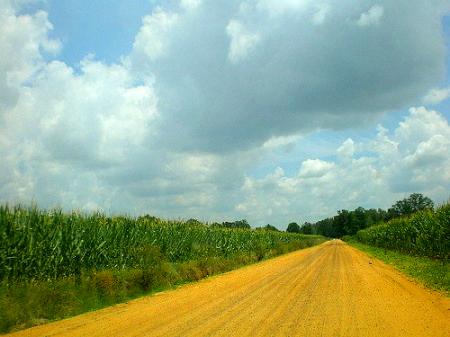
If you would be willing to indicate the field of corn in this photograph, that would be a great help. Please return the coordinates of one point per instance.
(38, 244)
(425, 233)
(55, 265)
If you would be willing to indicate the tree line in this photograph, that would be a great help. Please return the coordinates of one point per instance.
(349, 222)
(345, 222)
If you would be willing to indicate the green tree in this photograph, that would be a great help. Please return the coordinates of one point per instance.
(271, 228)
(237, 224)
(194, 222)
(293, 227)
(307, 228)
(415, 202)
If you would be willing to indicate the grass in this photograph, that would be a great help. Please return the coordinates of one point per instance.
(432, 273)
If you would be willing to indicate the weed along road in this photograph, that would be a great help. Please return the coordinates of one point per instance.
(328, 290)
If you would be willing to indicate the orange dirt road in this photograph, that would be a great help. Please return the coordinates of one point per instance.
(328, 290)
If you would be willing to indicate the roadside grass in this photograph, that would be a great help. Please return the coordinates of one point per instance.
(24, 304)
(432, 273)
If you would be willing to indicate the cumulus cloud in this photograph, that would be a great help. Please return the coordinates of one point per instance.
(322, 11)
(211, 89)
(436, 95)
(152, 40)
(371, 17)
(22, 39)
(347, 149)
(283, 141)
(64, 128)
(273, 68)
(190, 4)
(242, 41)
(412, 158)
(315, 168)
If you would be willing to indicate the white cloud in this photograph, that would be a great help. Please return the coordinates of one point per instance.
(176, 130)
(152, 39)
(190, 4)
(322, 11)
(436, 96)
(420, 125)
(230, 75)
(279, 142)
(315, 168)
(241, 41)
(371, 17)
(347, 149)
(22, 38)
(392, 166)
(280, 7)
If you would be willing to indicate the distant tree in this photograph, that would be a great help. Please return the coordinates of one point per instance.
(342, 223)
(270, 228)
(293, 227)
(237, 224)
(194, 222)
(415, 202)
(375, 216)
(325, 227)
(243, 224)
(148, 217)
(307, 228)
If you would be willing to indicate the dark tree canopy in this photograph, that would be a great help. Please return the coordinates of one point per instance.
(271, 228)
(236, 224)
(349, 222)
(194, 222)
(268, 227)
(293, 227)
(415, 202)
(307, 228)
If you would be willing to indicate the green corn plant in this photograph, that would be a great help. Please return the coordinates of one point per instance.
(40, 244)
(425, 233)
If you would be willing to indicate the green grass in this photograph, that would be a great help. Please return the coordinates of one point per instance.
(432, 273)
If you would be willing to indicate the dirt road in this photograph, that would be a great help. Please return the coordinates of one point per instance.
(329, 290)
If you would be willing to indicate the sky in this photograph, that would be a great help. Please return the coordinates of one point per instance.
(267, 110)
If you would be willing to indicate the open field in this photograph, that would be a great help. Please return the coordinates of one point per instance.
(328, 290)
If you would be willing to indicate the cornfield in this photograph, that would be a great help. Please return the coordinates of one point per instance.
(40, 244)
(425, 233)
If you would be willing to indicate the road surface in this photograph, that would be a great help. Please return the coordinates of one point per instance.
(328, 290)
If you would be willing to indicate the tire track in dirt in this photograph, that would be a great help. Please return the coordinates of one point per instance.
(328, 290)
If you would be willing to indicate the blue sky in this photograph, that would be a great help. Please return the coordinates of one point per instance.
(105, 28)
(274, 111)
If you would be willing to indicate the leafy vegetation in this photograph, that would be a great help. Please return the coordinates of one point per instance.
(40, 244)
(425, 233)
(345, 222)
(350, 222)
(414, 203)
(53, 265)
(293, 227)
(268, 227)
(234, 224)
